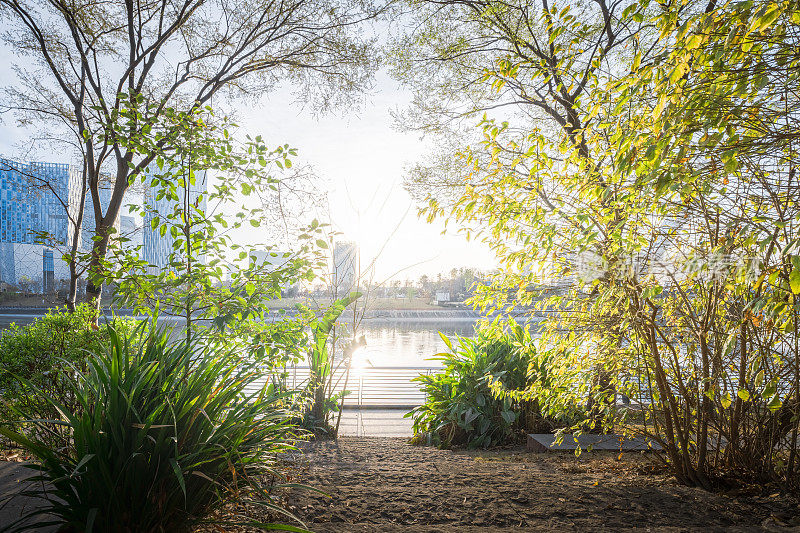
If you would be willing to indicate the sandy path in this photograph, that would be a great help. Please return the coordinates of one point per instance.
(384, 484)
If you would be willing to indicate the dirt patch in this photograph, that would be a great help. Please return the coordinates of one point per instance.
(384, 484)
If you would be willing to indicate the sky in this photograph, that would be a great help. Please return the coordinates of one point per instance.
(359, 157)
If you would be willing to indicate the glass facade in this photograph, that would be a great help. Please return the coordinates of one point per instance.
(32, 200)
(36, 202)
(48, 272)
(157, 248)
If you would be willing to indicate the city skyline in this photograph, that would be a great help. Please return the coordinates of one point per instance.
(39, 203)
(19, 253)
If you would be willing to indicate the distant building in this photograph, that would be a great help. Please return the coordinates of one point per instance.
(28, 211)
(156, 248)
(344, 277)
(272, 261)
(267, 257)
(27, 206)
(128, 229)
(441, 297)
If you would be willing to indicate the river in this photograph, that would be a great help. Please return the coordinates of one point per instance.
(407, 344)
(389, 341)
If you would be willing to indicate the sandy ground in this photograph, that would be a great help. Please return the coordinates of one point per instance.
(380, 484)
(384, 484)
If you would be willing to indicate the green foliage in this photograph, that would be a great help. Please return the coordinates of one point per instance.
(40, 352)
(658, 184)
(165, 434)
(476, 399)
(320, 362)
(212, 280)
(207, 244)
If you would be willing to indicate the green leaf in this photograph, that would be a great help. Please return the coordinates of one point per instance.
(743, 394)
(725, 400)
(769, 390)
(774, 404)
(764, 21)
(177, 469)
(91, 516)
(694, 42)
(794, 281)
(85, 459)
(446, 341)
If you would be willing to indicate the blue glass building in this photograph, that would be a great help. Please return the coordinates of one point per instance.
(157, 248)
(36, 201)
(28, 207)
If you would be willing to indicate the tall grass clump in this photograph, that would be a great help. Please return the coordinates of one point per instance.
(166, 434)
(472, 400)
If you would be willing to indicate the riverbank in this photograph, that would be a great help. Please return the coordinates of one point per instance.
(384, 484)
(44, 302)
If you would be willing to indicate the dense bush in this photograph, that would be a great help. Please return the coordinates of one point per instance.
(39, 352)
(647, 216)
(471, 401)
(165, 434)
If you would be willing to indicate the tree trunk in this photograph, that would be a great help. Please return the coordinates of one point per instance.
(94, 283)
(103, 225)
(72, 296)
(318, 407)
(73, 287)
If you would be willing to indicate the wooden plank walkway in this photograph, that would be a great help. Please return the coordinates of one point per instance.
(375, 423)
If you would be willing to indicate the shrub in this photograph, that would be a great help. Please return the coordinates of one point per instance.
(40, 351)
(166, 434)
(470, 402)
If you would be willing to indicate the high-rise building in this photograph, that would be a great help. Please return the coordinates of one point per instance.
(272, 261)
(89, 223)
(33, 197)
(345, 267)
(157, 248)
(36, 202)
(128, 229)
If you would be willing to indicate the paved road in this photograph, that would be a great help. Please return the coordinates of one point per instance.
(13, 505)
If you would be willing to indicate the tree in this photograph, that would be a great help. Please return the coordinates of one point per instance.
(665, 208)
(113, 69)
(204, 223)
(712, 147)
(522, 182)
(532, 61)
